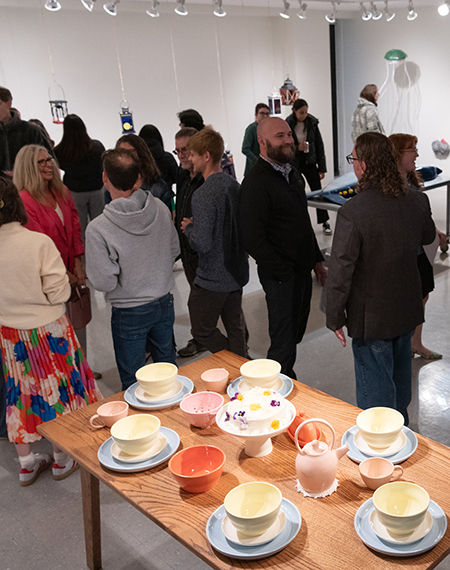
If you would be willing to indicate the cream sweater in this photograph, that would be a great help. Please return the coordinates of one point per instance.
(33, 279)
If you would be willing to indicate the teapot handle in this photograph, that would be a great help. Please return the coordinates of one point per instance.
(317, 421)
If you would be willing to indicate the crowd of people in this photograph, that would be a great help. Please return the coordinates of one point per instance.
(113, 219)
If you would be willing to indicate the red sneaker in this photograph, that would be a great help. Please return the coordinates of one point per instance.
(60, 472)
(27, 476)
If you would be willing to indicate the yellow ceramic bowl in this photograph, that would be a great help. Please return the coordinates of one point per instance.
(261, 372)
(380, 427)
(135, 434)
(401, 507)
(253, 507)
(158, 378)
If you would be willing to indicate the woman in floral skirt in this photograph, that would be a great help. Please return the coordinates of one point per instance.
(45, 371)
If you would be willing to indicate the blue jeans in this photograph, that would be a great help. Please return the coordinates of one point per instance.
(135, 328)
(383, 373)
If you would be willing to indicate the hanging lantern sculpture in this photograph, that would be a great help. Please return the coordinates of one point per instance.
(126, 118)
(274, 101)
(289, 92)
(58, 103)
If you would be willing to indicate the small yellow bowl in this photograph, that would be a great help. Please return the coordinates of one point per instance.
(253, 507)
(158, 378)
(401, 507)
(261, 372)
(380, 427)
(135, 434)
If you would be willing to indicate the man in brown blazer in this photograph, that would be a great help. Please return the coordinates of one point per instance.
(373, 282)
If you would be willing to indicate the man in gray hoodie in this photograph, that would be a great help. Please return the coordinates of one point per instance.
(130, 251)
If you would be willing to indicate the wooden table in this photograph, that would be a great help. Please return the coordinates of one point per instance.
(327, 539)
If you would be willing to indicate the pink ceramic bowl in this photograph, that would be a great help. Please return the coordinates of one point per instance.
(200, 409)
(215, 380)
(197, 469)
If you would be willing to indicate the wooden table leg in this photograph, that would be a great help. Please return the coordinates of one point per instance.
(90, 491)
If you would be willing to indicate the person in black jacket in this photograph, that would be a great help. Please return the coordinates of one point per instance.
(165, 160)
(278, 235)
(15, 133)
(310, 152)
(81, 159)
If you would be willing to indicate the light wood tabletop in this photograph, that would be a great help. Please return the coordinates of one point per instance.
(327, 539)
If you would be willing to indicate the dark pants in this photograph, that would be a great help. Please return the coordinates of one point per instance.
(383, 373)
(135, 327)
(288, 304)
(3, 430)
(311, 174)
(205, 308)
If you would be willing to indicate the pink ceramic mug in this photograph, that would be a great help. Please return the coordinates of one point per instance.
(108, 414)
(377, 471)
(200, 409)
(215, 380)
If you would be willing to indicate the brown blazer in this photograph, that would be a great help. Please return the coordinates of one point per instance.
(373, 284)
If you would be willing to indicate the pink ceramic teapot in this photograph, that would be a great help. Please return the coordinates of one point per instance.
(316, 463)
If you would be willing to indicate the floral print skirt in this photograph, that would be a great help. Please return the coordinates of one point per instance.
(46, 376)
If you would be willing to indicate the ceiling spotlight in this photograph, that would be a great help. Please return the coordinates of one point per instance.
(389, 15)
(302, 12)
(88, 4)
(219, 10)
(53, 5)
(331, 17)
(366, 14)
(444, 9)
(376, 14)
(412, 15)
(153, 12)
(111, 7)
(285, 13)
(181, 8)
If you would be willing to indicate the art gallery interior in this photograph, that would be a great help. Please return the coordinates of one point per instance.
(221, 66)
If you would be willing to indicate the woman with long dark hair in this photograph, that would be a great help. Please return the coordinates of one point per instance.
(309, 152)
(151, 175)
(81, 159)
(165, 160)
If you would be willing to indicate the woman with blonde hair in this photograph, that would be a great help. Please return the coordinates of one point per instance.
(406, 148)
(49, 206)
(46, 374)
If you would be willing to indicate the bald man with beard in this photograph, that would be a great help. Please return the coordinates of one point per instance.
(279, 236)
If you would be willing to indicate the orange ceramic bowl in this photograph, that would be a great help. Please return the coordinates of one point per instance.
(197, 469)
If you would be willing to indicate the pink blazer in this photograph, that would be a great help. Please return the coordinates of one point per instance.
(45, 220)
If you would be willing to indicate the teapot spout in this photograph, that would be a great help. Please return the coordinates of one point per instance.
(341, 451)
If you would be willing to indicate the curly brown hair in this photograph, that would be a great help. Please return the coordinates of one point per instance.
(380, 159)
(402, 142)
(11, 205)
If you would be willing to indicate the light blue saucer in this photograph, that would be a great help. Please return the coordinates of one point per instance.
(219, 541)
(130, 396)
(107, 460)
(356, 455)
(370, 539)
(285, 390)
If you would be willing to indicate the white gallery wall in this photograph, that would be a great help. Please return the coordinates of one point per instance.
(426, 40)
(220, 66)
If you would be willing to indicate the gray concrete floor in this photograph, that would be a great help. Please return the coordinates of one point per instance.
(42, 525)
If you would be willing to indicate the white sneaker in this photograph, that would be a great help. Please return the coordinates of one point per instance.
(27, 476)
(60, 472)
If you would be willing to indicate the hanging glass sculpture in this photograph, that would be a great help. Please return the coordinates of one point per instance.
(126, 118)
(274, 102)
(58, 103)
(289, 92)
(400, 99)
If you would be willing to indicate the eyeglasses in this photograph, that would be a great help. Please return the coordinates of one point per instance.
(351, 159)
(415, 149)
(181, 151)
(45, 161)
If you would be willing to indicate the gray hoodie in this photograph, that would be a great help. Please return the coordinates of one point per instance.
(130, 250)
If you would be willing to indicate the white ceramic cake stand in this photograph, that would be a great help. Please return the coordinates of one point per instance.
(256, 445)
